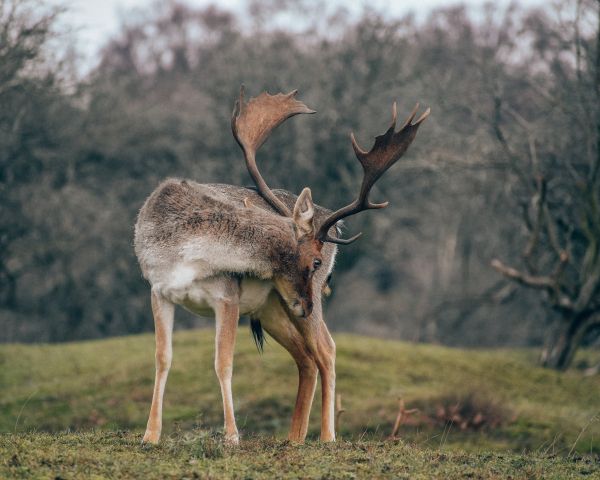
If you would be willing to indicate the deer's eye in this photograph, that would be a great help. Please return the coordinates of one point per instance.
(316, 264)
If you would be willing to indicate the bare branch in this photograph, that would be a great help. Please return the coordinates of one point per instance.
(518, 117)
(338, 412)
(580, 83)
(513, 157)
(537, 226)
(403, 414)
(552, 232)
(588, 289)
(541, 282)
(533, 281)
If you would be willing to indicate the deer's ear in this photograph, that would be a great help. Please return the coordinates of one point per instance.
(304, 212)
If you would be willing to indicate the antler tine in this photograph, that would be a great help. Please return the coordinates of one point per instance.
(251, 124)
(386, 151)
(411, 115)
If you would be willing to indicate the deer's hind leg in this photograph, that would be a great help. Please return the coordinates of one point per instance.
(163, 312)
(227, 313)
(276, 322)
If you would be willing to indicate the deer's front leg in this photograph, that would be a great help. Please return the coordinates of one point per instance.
(307, 384)
(325, 358)
(322, 347)
(163, 312)
(276, 322)
(227, 316)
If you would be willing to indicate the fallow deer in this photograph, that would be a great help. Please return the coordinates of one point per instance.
(230, 251)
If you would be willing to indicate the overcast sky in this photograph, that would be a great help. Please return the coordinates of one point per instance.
(94, 21)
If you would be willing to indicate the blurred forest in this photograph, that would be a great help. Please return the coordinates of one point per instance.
(499, 192)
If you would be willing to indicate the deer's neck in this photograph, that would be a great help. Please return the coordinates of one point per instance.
(268, 239)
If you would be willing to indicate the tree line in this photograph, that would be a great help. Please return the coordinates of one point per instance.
(492, 236)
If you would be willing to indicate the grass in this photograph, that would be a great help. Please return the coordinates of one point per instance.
(197, 455)
(80, 409)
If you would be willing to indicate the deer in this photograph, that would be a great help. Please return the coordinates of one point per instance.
(229, 251)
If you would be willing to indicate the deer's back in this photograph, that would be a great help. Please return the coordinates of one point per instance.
(208, 226)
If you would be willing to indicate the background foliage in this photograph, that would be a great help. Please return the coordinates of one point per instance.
(78, 155)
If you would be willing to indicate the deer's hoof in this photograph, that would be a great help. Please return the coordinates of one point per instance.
(151, 437)
(233, 439)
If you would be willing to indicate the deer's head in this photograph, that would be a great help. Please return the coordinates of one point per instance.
(251, 123)
(293, 277)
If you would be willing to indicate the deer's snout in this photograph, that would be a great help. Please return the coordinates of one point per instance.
(297, 296)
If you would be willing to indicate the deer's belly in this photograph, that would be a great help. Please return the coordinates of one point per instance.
(200, 295)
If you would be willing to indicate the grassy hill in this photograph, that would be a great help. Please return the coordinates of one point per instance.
(81, 405)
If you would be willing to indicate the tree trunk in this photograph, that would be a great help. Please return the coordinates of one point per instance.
(560, 350)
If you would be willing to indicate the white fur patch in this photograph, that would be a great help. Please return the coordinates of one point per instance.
(217, 257)
(182, 276)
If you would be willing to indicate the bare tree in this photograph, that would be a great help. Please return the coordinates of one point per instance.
(551, 140)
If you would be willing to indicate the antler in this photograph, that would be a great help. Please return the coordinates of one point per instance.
(251, 124)
(388, 148)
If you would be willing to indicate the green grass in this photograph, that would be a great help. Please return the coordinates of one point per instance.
(198, 455)
(80, 409)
